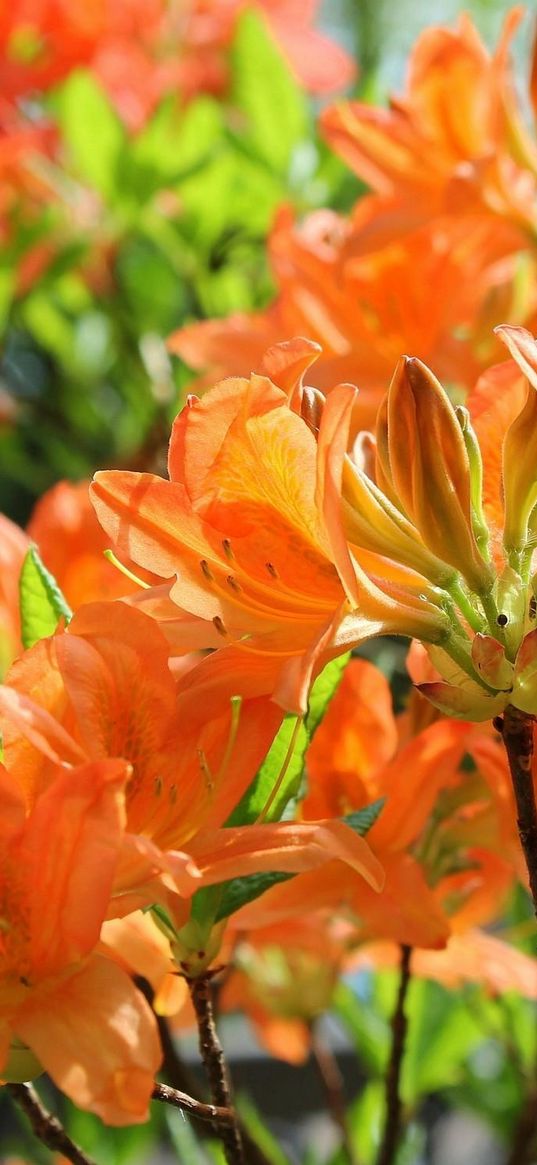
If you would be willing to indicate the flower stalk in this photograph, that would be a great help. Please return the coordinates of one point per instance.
(517, 735)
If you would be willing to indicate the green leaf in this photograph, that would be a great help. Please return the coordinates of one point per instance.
(259, 1131)
(324, 688)
(296, 737)
(363, 819)
(265, 91)
(92, 131)
(441, 1036)
(368, 1030)
(239, 891)
(42, 604)
(287, 749)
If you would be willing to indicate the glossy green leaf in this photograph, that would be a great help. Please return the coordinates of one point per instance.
(42, 604)
(286, 755)
(324, 688)
(239, 891)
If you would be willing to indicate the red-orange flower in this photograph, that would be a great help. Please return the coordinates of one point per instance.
(75, 1010)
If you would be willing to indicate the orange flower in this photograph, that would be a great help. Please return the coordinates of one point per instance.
(351, 293)
(250, 525)
(472, 957)
(145, 49)
(426, 513)
(445, 837)
(72, 544)
(104, 689)
(454, 142)
(75, 1010)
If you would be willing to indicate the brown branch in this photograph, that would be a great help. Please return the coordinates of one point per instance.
(394, 1104)
(517, 735)
(524, 1135)
(183, 1079)
(215, 1066)
(47, 1128)
(182, 1100)
(332, 1082)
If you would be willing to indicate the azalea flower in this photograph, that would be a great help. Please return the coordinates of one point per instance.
(426, 498)
(103, 689)
(347, 289)
(454, 142)
(445, 837)
(64, 1007)
(145, 49)
(250, 529)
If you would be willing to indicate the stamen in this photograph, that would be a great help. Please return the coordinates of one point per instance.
(205, 769)
(228, 549)
(159, 784)
(236, 705)
(272, 570)
(220, 627)
(109, 554)
(173, 794)
(206, 570)
(232, 582)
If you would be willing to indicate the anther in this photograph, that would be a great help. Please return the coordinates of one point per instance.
(205, 769)
(158, 785)
(220, 627)
(228, 549)
(173, 794)
(533, 607)
(502, 620)
(232, 582)
(206, 570)
(272, 570)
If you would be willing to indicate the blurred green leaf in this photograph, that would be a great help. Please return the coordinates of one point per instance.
(364, 1119)
(256, 1126)
(42, 604)
(264, 90)
(92, 131)
(369, 1031)
(441, 1036)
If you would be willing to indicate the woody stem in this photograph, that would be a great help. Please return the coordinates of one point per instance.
(517, 735)
(215, 1067)
(394, 1104)
(47, 1128)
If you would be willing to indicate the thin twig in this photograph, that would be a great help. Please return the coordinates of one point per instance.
(523, 1142)
(394, 1104)
(215, 1067)
(332, 1082)
(182, 1078)
(47, 1128)
(517, 735)
(182, 1100)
